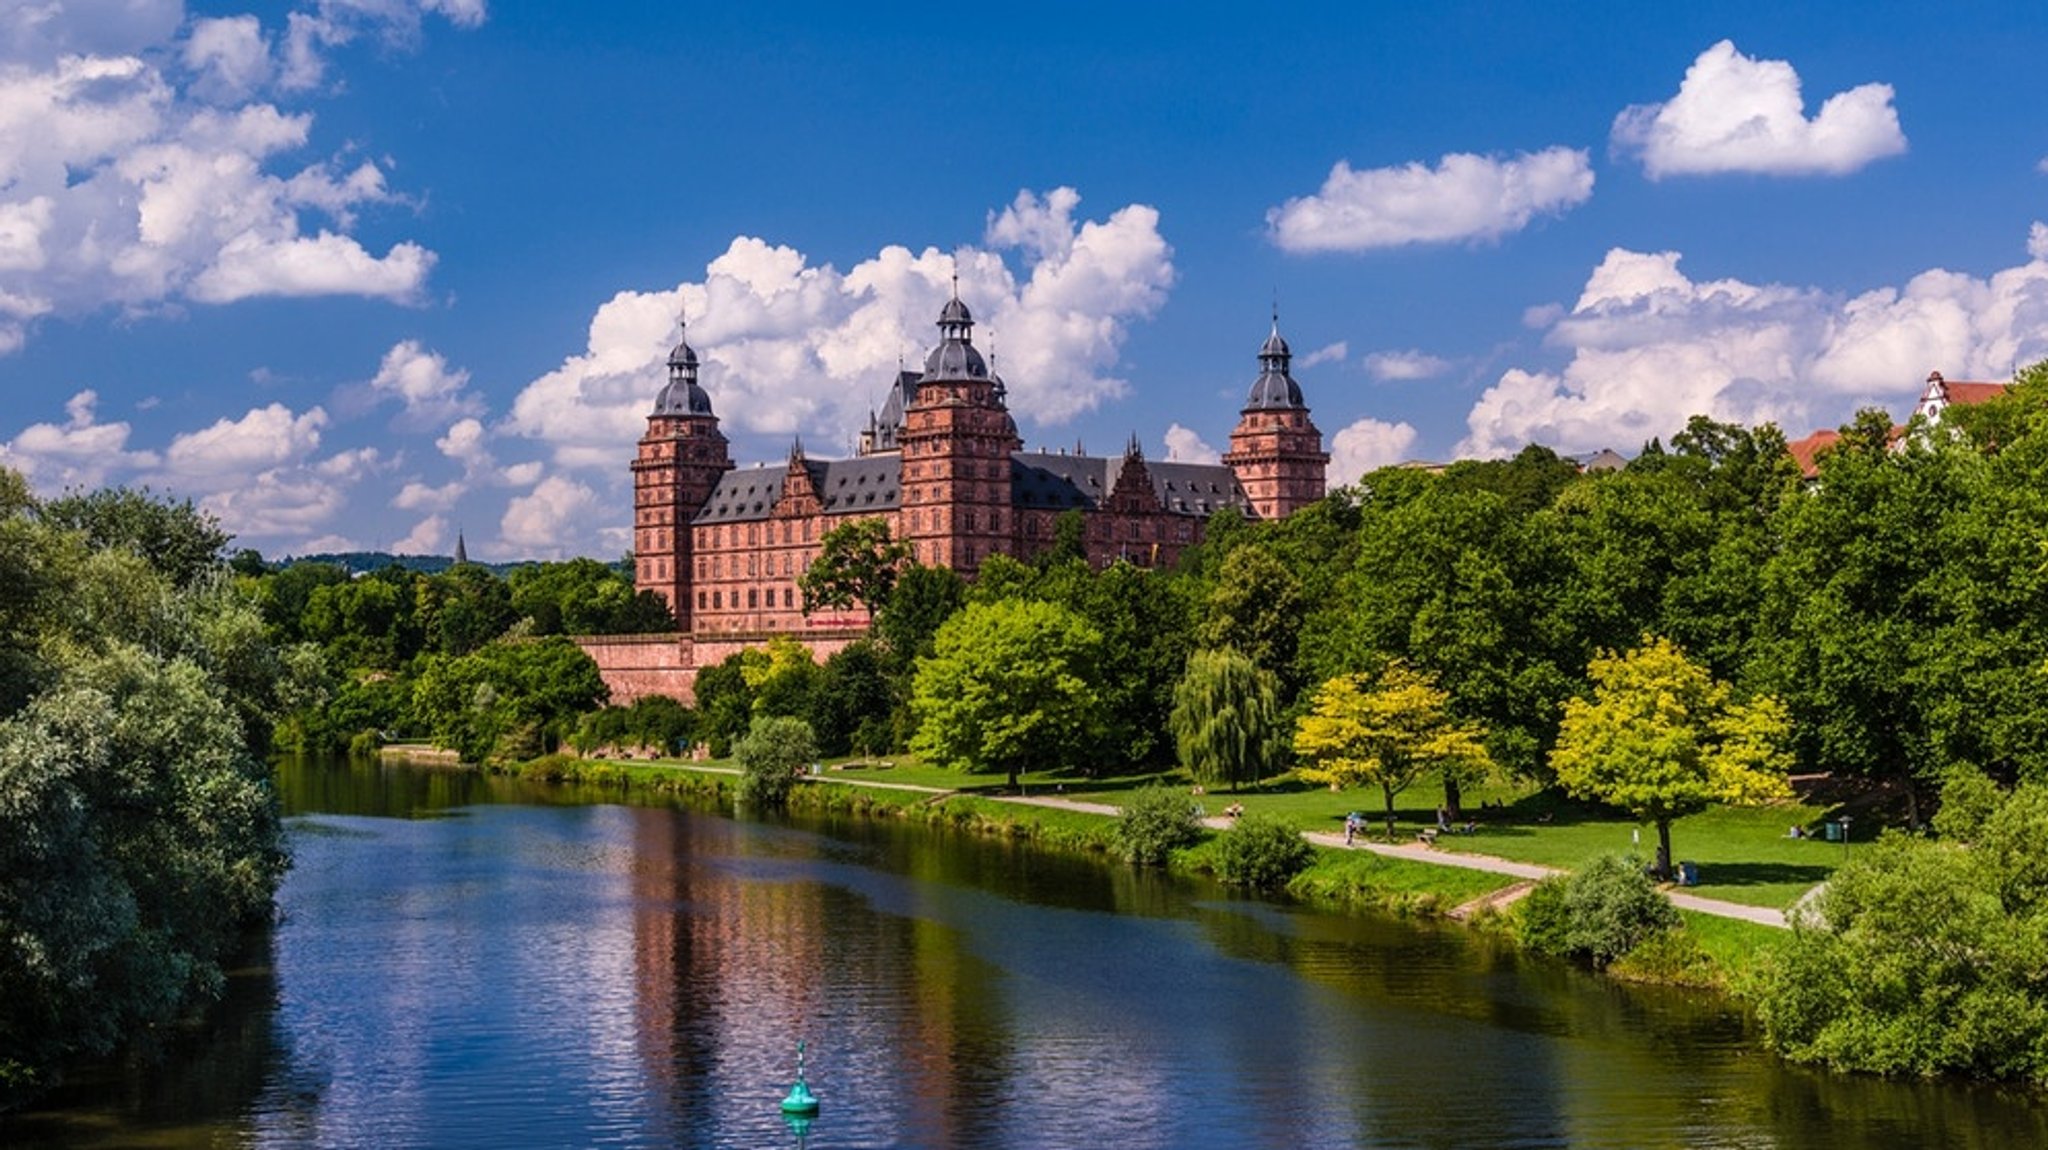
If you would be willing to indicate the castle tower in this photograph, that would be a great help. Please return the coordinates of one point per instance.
(679, 462)
(1276, 450)
(956, 444)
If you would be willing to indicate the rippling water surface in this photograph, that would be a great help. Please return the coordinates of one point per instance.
(465, 964)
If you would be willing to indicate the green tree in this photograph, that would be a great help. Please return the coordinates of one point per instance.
(725, 700)
(1923, 956)
(463, 608)
(138, 830)
(850, 709)
(1226, 719)
(1386, 729)
(175, 538)
(1256, 608)
(584, 597)
(1879, 640)
(924, 598)
(857, 566)
(1008, 686)
(1661, 738)
(1452, 580)
(770, 755)
(508, 700)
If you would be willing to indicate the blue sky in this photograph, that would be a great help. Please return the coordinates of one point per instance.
(361, 273)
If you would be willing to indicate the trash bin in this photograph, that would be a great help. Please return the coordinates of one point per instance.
(1688, 874)
(1834, 831)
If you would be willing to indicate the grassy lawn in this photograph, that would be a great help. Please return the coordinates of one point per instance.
(1743, 853)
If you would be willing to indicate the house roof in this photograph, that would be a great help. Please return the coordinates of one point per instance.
(1806, 452)
(1966, 393)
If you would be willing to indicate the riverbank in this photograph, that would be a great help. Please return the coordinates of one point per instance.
(1721, 940)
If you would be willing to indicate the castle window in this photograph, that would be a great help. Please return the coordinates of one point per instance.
(788, 598)
(700, 600)
(718, 600)
(753, 597)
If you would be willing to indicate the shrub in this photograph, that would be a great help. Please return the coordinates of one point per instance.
(1261, 853)
(769, 755)
(1542, 922)
(1598, 913)
(1157, 821)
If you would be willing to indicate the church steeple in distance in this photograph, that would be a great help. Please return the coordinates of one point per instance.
(461, 549)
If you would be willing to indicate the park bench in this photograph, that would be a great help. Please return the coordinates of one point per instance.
(1427, 836)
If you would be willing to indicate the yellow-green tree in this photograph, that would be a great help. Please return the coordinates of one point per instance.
(1386, 729)
(1662, 738)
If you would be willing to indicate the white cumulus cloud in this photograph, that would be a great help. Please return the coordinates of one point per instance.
(1650, 347)
(263, 438)
(552, 521)
(1405, 365)
(433, 393)
(792, 347)
(141, 165)
(80, 452)
(1185, 445)
(1330, 353)
(426, 537)
(1733, 113)
(1365, 445)
(1464, 197)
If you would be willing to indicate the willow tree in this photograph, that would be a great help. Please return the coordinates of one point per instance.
(1388, 730)
(1226, 719)
(1662, 738)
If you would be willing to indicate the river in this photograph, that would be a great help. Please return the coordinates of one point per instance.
(470, 962)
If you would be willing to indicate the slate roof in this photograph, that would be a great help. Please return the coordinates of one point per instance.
(866, 485)
(1039, 481)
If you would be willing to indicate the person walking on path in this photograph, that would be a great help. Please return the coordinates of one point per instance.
(1350, 827)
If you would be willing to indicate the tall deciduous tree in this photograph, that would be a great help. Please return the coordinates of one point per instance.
(1865, 650)
(175, 538)
(1256, 608)
(857, 566)
(1010, 685)
(1661, 738)
(1386, 730)
(1226, 719)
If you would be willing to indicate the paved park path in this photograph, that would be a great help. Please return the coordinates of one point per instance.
(1413, 852)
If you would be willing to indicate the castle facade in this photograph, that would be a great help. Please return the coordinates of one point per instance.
(943, 466)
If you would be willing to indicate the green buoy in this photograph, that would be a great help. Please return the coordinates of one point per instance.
(800, 1101)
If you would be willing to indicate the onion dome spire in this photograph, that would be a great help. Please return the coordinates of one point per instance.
(955, 358)
(682, 395)
(1275, 388)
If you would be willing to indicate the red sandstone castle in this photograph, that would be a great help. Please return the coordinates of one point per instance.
(943, 465)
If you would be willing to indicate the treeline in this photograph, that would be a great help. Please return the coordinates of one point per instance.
(474, 661)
